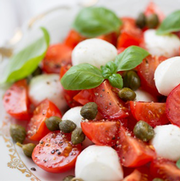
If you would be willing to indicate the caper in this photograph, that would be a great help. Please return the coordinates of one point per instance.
(126, 94)
(18, 133)
(89, 110)
(131, 80)
(152, 21)
(37, 71)
(143, 131)
(27, 148)
(77, 136)
(67, 126)
(68, 178)
(158, 179)
(52, 123)
(141, 20)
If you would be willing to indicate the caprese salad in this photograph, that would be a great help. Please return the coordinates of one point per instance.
(106, 101)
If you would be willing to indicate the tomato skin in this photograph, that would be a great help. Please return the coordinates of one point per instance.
(37, 128)
(102, 132)
(132, 151)
(153, 113)
(164, 169)
(56, 56)
(45, 154)
(16, 100)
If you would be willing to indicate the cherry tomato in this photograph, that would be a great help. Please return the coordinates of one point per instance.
(56, 56)
(55, 153)
(101, 133)
(37, 128)
(153, 113)
(164, 169)
(132, 151)
(16, 101)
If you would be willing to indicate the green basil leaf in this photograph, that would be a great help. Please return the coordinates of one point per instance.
(82, 76)
(27, 60)
(178, 163)
(170, 24)
(108, 69)
(116, 80)
(95, 21)
(130, 58)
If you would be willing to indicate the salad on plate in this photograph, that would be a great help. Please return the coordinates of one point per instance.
(105, 101)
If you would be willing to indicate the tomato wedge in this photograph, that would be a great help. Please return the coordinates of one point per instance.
(16, 100)
(111, 38)
(153, 113)
(132, 151)
(101, 132)
(55, 153)
(37, 128)
(134, 176)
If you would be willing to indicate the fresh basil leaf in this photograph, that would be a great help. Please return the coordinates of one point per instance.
(116, 80)
(178, 163)
(170, 24)
(82, 76)
(95, 21)
(108, 69)
(130, 58)
(27, 60)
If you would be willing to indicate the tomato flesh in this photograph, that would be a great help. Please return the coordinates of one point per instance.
(134, 176)
(37, 128)
(111, 38)
(55, 153)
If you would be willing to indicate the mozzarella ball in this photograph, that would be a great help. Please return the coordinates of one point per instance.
(167, 141)
(94, 51)
(167, 75)
(47, 86)
(142, 95)
(99, 163)
(166, 45)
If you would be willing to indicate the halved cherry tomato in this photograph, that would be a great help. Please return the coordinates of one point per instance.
(172, 106)
(101, 132)
(146, 73)
(111, 38)
(55, 153)
(132, 151)
(37, 128)
(56, 56)
(153, 113)
(16, 100)
(164, 169)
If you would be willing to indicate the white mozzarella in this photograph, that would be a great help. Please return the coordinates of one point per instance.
(167, 141)
(167, 75)
(98, 163)
(47, 86)
(142, 95)
(166, 45)
(94, 51)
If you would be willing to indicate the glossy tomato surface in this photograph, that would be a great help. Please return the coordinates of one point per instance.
(55, 153)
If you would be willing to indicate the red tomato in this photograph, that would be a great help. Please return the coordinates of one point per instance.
(132, 151)
(164, 169)
(37, 128)
(153, 113)
(111, 38)
(73, 39)
(16, 100)
(101, 133)
(172, 106)
(134, 176)
(56, 56)
(146, 72)
(55, 153)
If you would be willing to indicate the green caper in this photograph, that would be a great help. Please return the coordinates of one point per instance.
(141, 20)
(77, 136)
(126, 94)
(67, 126)
(18, 133)
(37, 71)
(68, 178)
(52, 123)
(152, 21)
(143, 131)
(27, 148)
(131, 80)
(89, 110)
(158, 179)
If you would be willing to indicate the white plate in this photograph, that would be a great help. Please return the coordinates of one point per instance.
(14, 165)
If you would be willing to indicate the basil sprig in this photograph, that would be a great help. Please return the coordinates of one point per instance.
(27, 60)
(170, 24)
(86, 76)
(95, 21)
